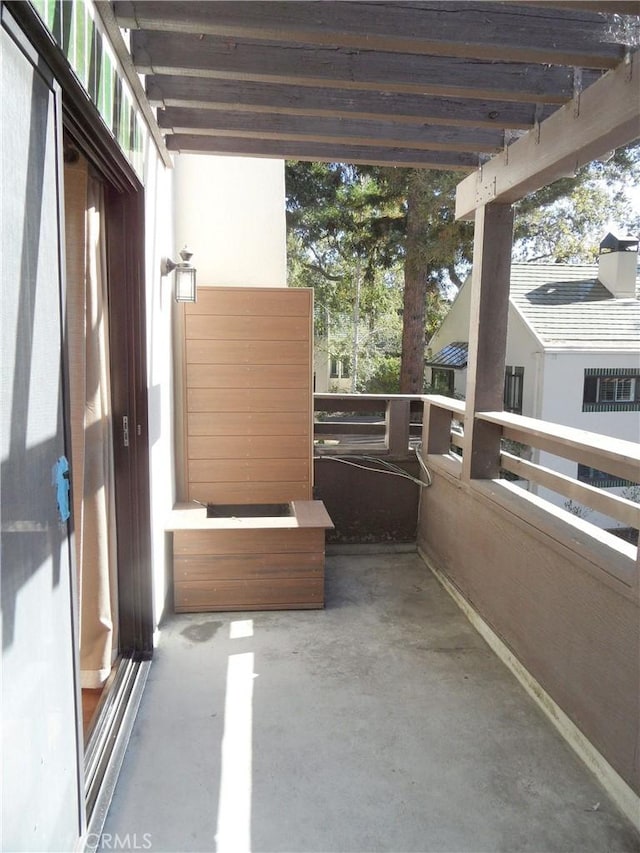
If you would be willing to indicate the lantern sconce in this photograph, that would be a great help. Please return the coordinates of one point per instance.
(185, 285)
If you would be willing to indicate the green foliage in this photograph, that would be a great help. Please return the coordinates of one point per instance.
(385, 378)
(565, 221)
(371, 239)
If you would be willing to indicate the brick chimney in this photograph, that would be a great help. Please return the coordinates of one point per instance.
(618, 265)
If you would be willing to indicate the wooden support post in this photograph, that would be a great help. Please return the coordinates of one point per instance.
(436, 429)
(397, 426)
(487, 337)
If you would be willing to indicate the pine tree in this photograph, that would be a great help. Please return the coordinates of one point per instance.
(351, 229)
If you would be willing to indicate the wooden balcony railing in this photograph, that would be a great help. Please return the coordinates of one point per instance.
(381, 424)
(442, 436)
(554, 593)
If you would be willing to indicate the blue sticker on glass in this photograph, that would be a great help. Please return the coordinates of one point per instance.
(60, 479)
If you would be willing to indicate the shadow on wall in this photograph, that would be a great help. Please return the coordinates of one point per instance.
(32, 535)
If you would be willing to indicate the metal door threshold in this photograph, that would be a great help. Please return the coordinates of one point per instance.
(108, 742)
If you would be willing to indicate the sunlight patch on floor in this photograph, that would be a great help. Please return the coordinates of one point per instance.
(234, 806)
(240, 628)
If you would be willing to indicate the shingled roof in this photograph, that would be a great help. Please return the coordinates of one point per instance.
(453, 355)
(568, 308)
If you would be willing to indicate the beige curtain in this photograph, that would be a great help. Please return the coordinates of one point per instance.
(91, 434)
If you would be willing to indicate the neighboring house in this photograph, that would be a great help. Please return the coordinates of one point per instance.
(331, 371)
(573, 351)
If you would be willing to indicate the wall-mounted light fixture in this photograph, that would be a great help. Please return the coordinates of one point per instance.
(185, 288)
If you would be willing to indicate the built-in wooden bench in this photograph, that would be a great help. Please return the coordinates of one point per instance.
(244, 563)
(246, 439)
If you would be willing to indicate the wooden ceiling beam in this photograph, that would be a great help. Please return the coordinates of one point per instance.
(602, 118)
(206, 93)
(328, 153)
(607, 7)
(337, 130)
(473, 30)
(342, 68)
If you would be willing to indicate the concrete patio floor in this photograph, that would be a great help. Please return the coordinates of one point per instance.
(383, 723)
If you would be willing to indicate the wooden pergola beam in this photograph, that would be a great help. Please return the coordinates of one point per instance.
(322, 152)
(212, 94)
(342, 68)
(602, 118)
(340, 131)
(473, 30)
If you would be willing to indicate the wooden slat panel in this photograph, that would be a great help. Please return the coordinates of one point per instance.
(249, 493)
(281, 540)
(248, 470)
(248, 352)
(248, 447)
(284, 424)
(238, 400)
(251, 302)
(272, 594)
(248, 376)
(247, 328)
(244, 364)
(248, 567)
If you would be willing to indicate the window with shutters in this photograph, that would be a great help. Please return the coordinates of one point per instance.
(513, 383)
(611, 390)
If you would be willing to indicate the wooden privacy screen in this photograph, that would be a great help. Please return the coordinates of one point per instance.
(248, 436)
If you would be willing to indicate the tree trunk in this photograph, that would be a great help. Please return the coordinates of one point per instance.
(356, 331)
(416, 268)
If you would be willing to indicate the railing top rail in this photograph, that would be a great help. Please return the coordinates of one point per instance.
(616, 448)
(375, 397)
(448, 403)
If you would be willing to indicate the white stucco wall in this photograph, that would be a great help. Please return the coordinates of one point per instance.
(523, 349)
(455, 327)
(159, 242)
(563, 392)
(231, 213)
(564, 383)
